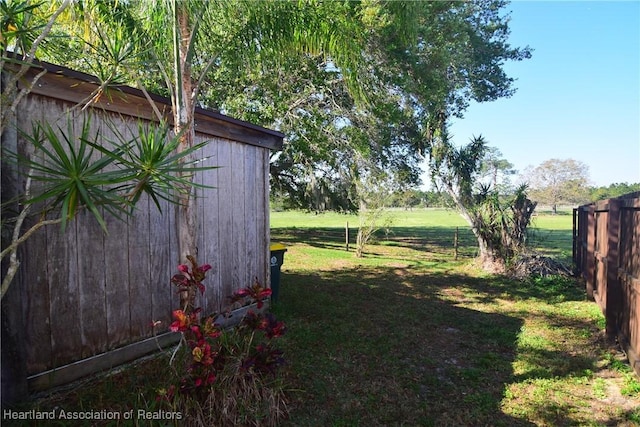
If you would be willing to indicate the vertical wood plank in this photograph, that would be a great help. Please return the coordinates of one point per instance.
(116, 253)
(613, 288)
(62, 266)
(33, 274)
(202, 300)
(139, 262)
(225, 215)
(210, 227)
(252, 229)
(63, 270)
(91, 279)
(161, 264)
(239, 274)
(263, 248)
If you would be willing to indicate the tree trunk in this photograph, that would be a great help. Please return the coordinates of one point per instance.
(488, 257)
(13, 388)
(187, 218)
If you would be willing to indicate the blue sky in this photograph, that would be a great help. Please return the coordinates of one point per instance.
(578, 96)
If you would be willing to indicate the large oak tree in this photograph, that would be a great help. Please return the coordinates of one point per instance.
(559, 180)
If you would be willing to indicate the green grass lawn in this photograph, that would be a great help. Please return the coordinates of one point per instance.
(408, 336)
(433, 228)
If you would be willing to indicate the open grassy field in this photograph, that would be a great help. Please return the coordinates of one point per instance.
(549, 234)
(408, 336)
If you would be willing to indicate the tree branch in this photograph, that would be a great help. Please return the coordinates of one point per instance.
(30, 56)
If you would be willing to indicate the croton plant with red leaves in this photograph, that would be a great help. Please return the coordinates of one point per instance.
(191, 277)
(213, 349)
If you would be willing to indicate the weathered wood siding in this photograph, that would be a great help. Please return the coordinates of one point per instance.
(86, 293)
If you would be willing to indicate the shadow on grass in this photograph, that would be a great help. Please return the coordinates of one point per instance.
(396, 346)
(379, 347)
(400, 346)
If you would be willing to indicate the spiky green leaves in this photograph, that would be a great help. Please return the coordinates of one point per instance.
(77, 170)
(70, 175)
(151, 164)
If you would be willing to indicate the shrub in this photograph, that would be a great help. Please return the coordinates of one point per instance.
(226, 376)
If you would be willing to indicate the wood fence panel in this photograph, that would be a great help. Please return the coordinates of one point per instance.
(611, 266)
(629, 274)
(590, 259)
(614, 301)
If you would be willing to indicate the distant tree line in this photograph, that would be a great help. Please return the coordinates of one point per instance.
(416, 199)
(612, 190)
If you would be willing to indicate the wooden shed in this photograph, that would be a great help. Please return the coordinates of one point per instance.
(88, 300)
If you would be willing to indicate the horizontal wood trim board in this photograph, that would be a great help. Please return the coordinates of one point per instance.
(125, 100)
(102, 362)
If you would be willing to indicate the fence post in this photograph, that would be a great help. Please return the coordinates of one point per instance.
(455, 245)
(614, 290)
(574, 247)
(589, 272)
(346, 236)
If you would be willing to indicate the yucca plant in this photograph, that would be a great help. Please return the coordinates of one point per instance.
(80, 172)
(75, 171)
(70, 175)
(151, 163)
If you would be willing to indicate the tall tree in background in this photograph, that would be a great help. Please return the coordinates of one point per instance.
(343, 80)
(612, 190)
(381, 77)
(423, 63)
(496, 170)
(555, 181)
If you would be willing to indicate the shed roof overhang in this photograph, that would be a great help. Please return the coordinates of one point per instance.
(73, 86)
